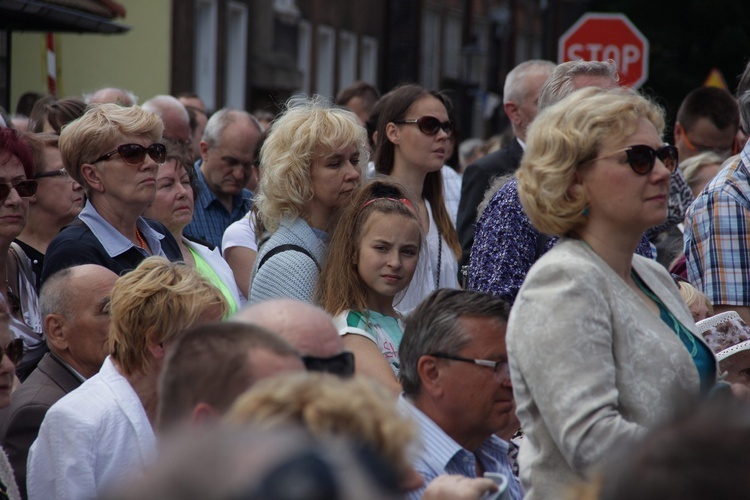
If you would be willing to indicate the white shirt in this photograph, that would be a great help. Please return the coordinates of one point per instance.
(96, 435)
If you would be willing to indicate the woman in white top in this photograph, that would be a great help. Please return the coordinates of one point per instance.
(413, 131)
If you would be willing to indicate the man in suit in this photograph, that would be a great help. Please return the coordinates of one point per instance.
(75, 308)
(520, 96)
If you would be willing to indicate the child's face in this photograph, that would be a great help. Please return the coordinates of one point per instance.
(699, 310)
(388, 253)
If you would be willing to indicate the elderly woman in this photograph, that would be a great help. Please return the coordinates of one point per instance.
(114, 153)
(57, 202)
(413, 134)
(600, 342)
(311, 163)
(699, 170)
(16, 187)
(104, 429)
(173, 206)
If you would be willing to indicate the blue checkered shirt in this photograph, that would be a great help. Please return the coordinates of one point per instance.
(211, 218)
(716, 235)
(439, 454)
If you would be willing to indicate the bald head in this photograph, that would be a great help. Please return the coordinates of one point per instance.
(74, 303)
(308, 328)
(174, 115)
(114, 95)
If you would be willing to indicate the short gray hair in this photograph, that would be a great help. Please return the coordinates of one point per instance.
(514, 87)
(56, 296)
(434, 327)
(743, 96)
(560, 82)
(221, 119)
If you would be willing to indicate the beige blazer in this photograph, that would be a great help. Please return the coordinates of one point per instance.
(592, 366)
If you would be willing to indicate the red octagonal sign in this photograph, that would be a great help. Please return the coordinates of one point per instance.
(598, 37)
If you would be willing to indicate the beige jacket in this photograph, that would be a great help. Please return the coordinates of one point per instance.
(592, 366)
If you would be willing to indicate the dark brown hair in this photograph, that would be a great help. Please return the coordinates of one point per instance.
(397, 104)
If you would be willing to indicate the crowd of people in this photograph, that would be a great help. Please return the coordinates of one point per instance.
(320, 304)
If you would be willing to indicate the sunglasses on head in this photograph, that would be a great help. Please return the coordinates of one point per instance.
(134, 154)
(25, 189)
(642, 158)
(14, 351)
(429, 125)
(340, 364)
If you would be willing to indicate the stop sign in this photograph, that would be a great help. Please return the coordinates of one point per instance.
(599, 37)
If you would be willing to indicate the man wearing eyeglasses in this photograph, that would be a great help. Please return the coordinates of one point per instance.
(457, 387)
(227, 156)
(306, 327)
(717, 228)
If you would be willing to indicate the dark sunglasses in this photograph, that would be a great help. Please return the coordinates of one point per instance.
(55, 173)
(25, 189)
(340, 364)
(14, 351)
(134, 154)
(642, 158)
(429, 125)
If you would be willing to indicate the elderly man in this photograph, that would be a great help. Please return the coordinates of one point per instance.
(174, 116)
(520, 95)
(716, 228)
(306, 327)
(103, 430)
(213, 364)
(75, 307)
(227, 155)
(506, 244)
(115, 95)
(457, 388)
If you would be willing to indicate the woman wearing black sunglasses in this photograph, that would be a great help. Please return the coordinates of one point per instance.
(16, 187)
(601, 344)
(413, 131)
(114, 153)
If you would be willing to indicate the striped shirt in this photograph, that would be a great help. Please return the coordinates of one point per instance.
(438, 454)
(716, 235)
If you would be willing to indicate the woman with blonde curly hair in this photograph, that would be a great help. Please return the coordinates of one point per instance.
(311, 165)
(325, 405)
(600, 342)
(108, 421)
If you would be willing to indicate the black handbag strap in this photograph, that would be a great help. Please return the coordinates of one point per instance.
(284, 248)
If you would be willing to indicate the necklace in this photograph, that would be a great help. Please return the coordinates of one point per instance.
(141, 241)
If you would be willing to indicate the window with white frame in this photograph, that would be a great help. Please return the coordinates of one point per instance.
(368, 60)
(326, 45)
(236, 68)
(304, 50)
(347, 59)
(204, 65)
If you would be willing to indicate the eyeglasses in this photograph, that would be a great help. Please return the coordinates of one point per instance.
(55, 173)
(340, 364)
(499, 367)
(25, 189)
(429, 125)
(642, 158)
(723, 152)
(134, 154)
(14, 351)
